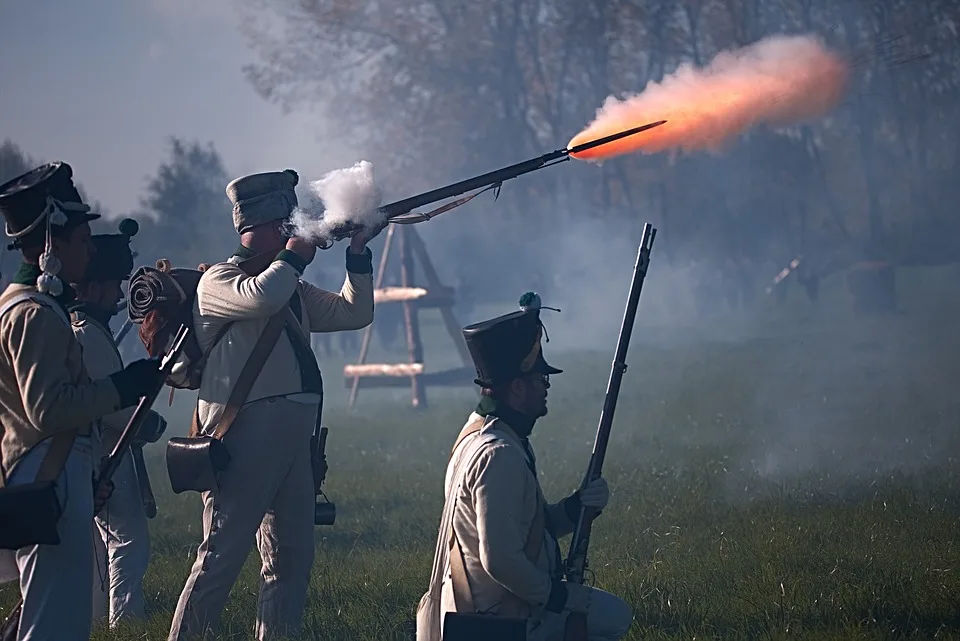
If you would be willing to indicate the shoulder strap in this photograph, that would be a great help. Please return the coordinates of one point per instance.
(443, 537)
(462, 594)
(29, 294)
(472, 427)
(62, 443)
(238, 395)
(78, 318)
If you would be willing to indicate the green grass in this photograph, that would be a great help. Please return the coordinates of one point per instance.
(798, 482)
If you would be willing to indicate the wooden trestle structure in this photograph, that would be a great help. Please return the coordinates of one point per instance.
(413, 298)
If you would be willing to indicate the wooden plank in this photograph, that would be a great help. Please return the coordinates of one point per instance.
(383, 369)
(423, 298)
(461, 377)
(398, 294)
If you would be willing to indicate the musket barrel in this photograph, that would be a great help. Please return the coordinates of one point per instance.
(112, 462)
(577, 557)
(490, 178)
(407, 205)
(620, 358)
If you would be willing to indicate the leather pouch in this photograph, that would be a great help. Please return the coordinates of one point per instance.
(459, 626)
(29, 514)
(193, 463)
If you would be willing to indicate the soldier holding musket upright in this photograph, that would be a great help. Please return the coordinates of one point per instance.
(122, 537)
(49, 406)
(497, 551)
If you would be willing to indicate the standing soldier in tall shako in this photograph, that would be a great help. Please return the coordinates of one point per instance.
(497, 549)
(48, 403)
(267, 493)
(123, 550)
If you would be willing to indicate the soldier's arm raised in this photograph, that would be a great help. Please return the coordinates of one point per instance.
(352, 307)
(226, 292)
(37, 342)
(499, 474)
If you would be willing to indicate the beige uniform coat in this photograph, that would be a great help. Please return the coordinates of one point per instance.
(493, 492)
(226, 294)
(44, 387)
(44, 391)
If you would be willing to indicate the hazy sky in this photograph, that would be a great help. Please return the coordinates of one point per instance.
(101, 84)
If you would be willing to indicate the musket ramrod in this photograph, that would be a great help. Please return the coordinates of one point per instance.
(576, 562)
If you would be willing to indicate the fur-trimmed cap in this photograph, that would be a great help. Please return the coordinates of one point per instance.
(262, 198)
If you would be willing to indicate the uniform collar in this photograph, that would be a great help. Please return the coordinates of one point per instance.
(520, 424)
(93, 312)
(28, 275)
(242, 252)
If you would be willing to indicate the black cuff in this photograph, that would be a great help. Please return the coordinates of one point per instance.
(360, 263)
(152, 428)
(126, 389)
(571, 506)
(557, 598)
(292, 259)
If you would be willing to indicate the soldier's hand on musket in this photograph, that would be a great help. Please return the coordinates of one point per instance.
(139, 378)
(595, 495)
(302, 248)
(101, 494)
(360, 238)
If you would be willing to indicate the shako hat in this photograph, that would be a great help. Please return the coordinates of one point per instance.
(44, 195)
(508, 347)
(113, 259)
(262, 198)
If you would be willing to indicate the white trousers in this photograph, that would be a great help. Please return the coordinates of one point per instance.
(122, 542)
(265, 496)
(608, 619)
(55, 579)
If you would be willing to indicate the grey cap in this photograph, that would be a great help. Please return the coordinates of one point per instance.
(262, 198)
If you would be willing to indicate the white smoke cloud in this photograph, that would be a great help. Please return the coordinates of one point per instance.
(341, 196)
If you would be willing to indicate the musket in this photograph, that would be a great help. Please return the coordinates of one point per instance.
(112, 462)
(576, 562)
(399, 211)
(8, 630)
(136, 448)
(127, 324)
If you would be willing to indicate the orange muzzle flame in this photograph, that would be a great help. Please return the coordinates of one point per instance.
(779, 81)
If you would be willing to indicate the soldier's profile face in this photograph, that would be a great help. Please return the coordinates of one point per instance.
(533, 394)
(74, 252)
(111, 292)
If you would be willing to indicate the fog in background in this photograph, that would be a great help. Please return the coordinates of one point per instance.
(158, 104)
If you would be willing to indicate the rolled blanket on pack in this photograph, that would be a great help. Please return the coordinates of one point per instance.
(159, 301)
(152, 289)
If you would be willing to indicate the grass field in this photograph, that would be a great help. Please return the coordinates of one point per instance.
(800, 481)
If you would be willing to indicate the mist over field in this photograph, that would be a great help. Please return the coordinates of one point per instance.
(784, 458)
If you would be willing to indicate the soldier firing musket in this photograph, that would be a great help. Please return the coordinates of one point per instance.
(401, 211)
